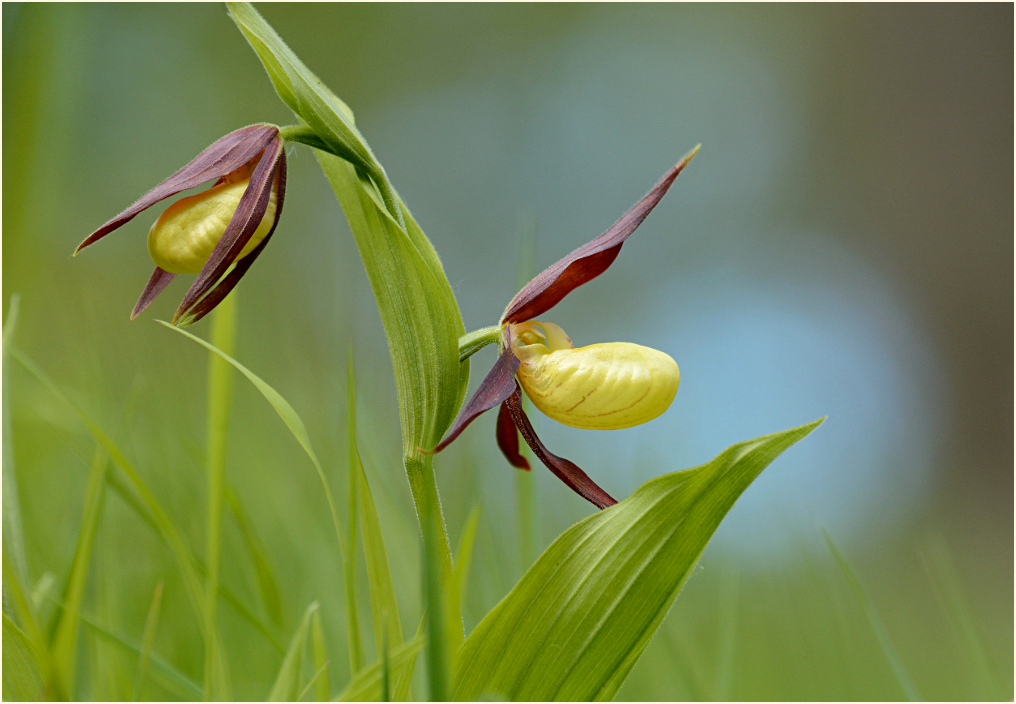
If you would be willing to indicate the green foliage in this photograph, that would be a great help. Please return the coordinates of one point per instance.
(885, 641)
(22, 680)
(287, 685)
(575, 625)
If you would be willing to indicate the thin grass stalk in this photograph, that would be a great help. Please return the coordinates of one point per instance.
(147, 640)
(877, 625)
(220, 399)
(349, 563)
(65, 638)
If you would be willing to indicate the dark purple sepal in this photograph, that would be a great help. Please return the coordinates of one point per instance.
(226, 154)
(230, 280)
(494, 389)
(565, 470)
(508, 439)
(588, 261)
(245, 221)
(160, 280)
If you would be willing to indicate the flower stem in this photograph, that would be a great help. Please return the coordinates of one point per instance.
(472, 342)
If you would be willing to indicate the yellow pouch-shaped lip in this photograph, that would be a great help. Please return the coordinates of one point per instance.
(607, 386)
(183, 237)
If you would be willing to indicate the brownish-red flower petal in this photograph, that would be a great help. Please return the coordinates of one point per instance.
(160, 279)
(508, 438)
(588, 261)
(245, 221)
(566, 471)
(223, 156)
(222, 289)
(494, 389)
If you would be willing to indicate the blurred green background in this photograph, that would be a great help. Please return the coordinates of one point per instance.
(840, 246)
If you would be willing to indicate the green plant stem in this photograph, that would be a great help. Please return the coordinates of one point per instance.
(220, 396)
(437, 645)
(473, 342)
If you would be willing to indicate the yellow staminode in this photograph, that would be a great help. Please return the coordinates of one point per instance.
(183, 237)
(607, 386)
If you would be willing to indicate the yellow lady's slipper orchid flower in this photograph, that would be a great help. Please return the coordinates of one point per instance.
(606, 386)
(183, 237)
(226, 226)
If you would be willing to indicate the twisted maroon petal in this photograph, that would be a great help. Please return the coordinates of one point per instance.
(226, 154)
(245, 221)
(160, 279)
(222, 289)
(566, 471)
(588, 261)
(508, 439)
(494, 389)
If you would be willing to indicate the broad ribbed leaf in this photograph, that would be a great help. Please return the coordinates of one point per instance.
(577, 622)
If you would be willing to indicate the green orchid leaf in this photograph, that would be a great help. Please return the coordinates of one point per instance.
(287, 684)
(580, 618)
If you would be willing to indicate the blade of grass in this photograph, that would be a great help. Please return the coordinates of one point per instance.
(463, 556)
(287, 684)
(386, 692)
(267, 584)
(65, 640)
(225, 593)
(728, 633)
(313, 681)
(167, 529)
(946, 583)
(24, 614)
(147, 640)
(288, 416)
(13, 540)
(383, 604)
(405, 681)
(323, 686)
(875, 621)
(22, 681)
(220, 400)
(366, 684)
(354, 637)
(165, 674)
